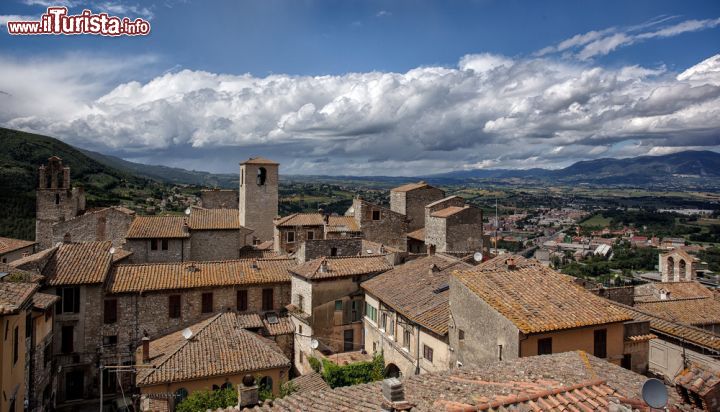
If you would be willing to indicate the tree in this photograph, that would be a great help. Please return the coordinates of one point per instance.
(201, 401)
(354, 373)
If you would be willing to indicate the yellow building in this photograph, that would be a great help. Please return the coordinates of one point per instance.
(214, 353)
(26, 322)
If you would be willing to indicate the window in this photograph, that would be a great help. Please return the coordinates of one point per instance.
(428, 353)
(310, 235)
(180, 395)
(266, 383)
(354, 312)
(391, 327)
(110, 314)
(267, 299)
(544, 346)
(4, 260)
(383, 321)
(371, 312)
(47, 355)
(110, 340)
(461, 334)
(333, 251)
(69, 300)
(300, 330)
(338, 305)
(207, 302)
(153, 244)
(66, 346)
(626, 361)
(290, 237)
(375, 215)
(406, 339)
(500, 352)
(261, 176)
(242, 300)
(301, 357)
(164, 244)
(57, 199)
(174, 306)
(16, 345)
(600, 343)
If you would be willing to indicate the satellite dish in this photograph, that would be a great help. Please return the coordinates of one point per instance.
(112, 250)
(187, 333)
(478, 257)
(314, 343)
(187, 211)
(654, 393)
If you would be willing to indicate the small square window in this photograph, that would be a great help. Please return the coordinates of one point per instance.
(290, 237)
(310, 235)
(110, 340)
(376, 215)
(164, 244)
(153, 244)
(338, 305)
(545, 346)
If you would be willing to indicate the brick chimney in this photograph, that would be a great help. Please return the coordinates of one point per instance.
(394, 396)
(510, 262)
(146, 349)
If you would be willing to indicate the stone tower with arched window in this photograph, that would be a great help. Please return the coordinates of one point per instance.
(259, 196)
(56, 200)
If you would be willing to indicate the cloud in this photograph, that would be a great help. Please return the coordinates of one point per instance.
(14, 17)
(597, 43)
(488, 111)
(383, 13)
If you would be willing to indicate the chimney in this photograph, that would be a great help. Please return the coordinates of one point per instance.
(323, 266)
(382, 249)
(146, 349)
(254, 264)
(433, 269)
(510, 262)
(185, 227)
(247, 392)
(431, 250)
(394, 396)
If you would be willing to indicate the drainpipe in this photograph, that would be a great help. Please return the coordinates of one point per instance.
(417, 351)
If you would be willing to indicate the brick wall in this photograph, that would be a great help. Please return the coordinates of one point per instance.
(216, 244)
(52, 206)
(280, 236)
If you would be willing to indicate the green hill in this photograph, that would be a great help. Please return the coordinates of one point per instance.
(23, 152)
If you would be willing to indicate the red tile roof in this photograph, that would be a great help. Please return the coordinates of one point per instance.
(410, 186)
(146, 227)
(186, 275)
(79, 263)
(259, 161)
(341, 266)
(301, 219)
(14, 295)
(214, 219)
(417, 234)
(8, 245)
(43, 301)
(536, 298)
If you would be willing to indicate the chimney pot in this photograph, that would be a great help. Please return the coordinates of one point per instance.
(431, 250)
(510, 262)
(394, 396)
(146, 349)
(247, 392)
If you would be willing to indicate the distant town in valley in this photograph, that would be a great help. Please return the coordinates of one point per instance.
(150, 288)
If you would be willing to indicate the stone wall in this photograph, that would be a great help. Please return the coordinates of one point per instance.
(17, 254)
(484, 329)
(216, 244)
(219, 199)
(622, 294)
(178, 251)
(106, 224)
(412, 204)
(258, 203)
(442, 204)
(389, 228)
(312, 249)
(52, 206)
(280, 236)
(464, 230)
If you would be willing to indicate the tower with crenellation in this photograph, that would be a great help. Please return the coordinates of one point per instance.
(57, 201)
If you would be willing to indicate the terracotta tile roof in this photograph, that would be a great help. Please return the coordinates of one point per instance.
(214, 219)
(218, 347)
(342, 224)
(19, 275)
(43, 301)
(698, 379)
(14, 295)
(341, 266)
(650, 292)
(8, 244)
(374, 248)
(121, 254)
(693, 335)
(259, 161)
(437, 202)
(642, 338)
(35, 262)
(249, 252)
(309, 383)
(536, 298)
(448, 211)
(692, 311)
(410, 186)
(300, 219)
(187, 275)
(79, 263)
(145, 227)
(576, 380)
(266, 245)
(250, 320)
(284, 326)
(417, 234)
(418, 290)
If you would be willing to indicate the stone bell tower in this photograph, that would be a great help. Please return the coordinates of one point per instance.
(56, 200)
(259, 196)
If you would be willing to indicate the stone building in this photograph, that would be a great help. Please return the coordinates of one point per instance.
(110, 223)
(678, 265)
(258, 198)
(158, 298)
(350, 246)
(453, 226)
(511, 307)
(379, 224)
(327, 304)
(407, 315)
(205, 234)
(689, 303)
(217, 353)
(76, 273)
(27, 378)
(14, 249)
(57, 201)
(292, 230)
(219, 199)
(411, 199)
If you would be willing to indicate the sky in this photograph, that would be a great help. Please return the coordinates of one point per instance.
(372, 87)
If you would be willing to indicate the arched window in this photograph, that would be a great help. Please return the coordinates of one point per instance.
(215, 387)
(261, 176)
(266, 383)
(60, 180)
(180, 395)
(392, 371)
(226, 385)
